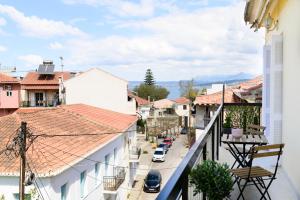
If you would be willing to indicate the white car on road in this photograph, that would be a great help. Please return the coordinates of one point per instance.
(159, 155)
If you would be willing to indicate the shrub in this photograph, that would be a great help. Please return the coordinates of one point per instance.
(212, 178)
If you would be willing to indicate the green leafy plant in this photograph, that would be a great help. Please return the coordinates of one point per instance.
(212, 178)
(227, 123)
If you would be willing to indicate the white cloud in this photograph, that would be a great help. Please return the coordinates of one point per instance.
(39, 27)
(31, 60)
(182, 45)
(121, 7)
(2, 22)
(55, 45)
(2, 49)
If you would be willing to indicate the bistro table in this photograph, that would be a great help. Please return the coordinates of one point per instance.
(240, 154)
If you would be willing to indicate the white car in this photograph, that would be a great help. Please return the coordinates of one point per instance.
(159, 155)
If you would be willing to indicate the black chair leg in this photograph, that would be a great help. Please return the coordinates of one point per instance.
(242, 190)
(266, 190)
(257, 186)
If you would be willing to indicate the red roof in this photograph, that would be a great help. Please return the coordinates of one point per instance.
(182, 100)
(216, 98)
(7, 79)
(95, 127)
(140, 101)
(252, 84)
(33, 80)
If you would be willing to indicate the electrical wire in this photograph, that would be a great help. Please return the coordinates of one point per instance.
(95, 161)
(35, 183)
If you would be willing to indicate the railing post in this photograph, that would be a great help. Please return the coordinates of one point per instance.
(185, 187)
(213, 143)
(218, 136)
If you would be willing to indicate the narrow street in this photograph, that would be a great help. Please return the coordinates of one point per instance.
(173, 158)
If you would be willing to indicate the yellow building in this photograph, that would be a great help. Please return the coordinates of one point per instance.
(281, 92)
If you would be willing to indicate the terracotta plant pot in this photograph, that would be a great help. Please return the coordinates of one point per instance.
(237, 133)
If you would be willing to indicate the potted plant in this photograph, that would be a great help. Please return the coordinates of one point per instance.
(212, 178)
(227, 125)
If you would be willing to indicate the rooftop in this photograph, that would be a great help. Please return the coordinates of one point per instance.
(182, 100)
(163, 103)
(51, 154)
(7, 79)
(34, 80)
(216, 98)
(140, 101)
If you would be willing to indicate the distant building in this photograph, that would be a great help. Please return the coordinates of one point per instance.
(182, 109)
(143, 106)
(9, 94)
(214, 88)
(41, 88)
(163, 107)
(206, 105)
(101, 89)
(93, 162)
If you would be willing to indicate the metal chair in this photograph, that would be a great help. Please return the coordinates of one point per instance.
(256, 175)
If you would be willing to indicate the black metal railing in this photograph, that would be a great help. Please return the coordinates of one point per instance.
(112, 183)
(48, 103)
(206, 147)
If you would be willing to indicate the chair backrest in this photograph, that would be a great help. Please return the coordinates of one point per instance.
(255, 129)
(268, 150)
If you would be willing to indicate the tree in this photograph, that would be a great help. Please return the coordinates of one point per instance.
(149, 89)
(188, 90)
(149, 79)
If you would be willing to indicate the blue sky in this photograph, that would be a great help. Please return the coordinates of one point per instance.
(177, 39)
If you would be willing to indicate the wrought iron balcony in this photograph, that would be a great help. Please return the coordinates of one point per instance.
(112, 183)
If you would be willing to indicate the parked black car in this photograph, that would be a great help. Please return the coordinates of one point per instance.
(163, 146)
(152, 181)
(183, 131)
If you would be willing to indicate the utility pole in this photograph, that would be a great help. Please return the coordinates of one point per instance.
(22, 152)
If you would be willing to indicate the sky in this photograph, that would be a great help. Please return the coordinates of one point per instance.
(177, 39)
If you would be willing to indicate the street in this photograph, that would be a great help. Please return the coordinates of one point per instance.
(173, 158)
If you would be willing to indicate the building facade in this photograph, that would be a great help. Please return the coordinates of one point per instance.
(98, 88)
(9, 94)
(67, 168)
(281, 76)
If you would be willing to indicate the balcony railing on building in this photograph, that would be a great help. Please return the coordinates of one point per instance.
(45, 103)
(112, 183)
(134, 154)
(207, 147)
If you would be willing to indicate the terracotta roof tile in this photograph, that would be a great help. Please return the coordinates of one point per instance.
(34, 78)
(163, 103)
(182, 100)
(252, 84)
(52, 155)
(140, 101)
(7, 79)
(216, 98)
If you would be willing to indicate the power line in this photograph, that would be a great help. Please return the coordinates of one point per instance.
(35, 183)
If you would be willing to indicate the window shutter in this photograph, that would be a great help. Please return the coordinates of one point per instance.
(266, 88)
(276, 92)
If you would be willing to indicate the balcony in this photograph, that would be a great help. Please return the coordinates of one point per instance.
(209, 146)
(134, 154)
(112, 183)
(46, 103)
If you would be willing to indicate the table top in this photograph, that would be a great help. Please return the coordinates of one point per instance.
(245, 139)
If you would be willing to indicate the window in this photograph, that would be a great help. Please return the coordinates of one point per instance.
(63, 192)
(97, 169)
(106, 164)
(82, 183)
(9, 93)
(184, 107)
(115, 155)
(7, 87)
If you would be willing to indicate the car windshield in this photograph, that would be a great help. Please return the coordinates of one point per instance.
(152, 177)
(161, 145)
(158, 152)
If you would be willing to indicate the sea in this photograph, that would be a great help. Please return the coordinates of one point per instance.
(174, 89)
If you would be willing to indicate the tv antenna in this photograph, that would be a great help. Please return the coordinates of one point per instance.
(61, 63)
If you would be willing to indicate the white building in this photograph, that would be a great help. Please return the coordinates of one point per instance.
(281, 76)
(163, 107)
(182, 109)
(143, 106)
(98, 88)
(96, 161)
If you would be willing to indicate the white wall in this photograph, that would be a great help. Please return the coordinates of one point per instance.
(180, 111)
(214, 88)
(144, 111)
(199, 117)
(100, 89)
(289, 27)
(71, 176)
